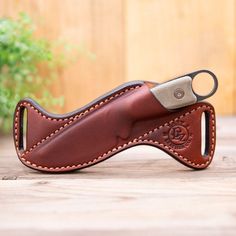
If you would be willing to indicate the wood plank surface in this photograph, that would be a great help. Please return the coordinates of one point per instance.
(96, 27)
(168, 38)
(141, 191)
(152, 40)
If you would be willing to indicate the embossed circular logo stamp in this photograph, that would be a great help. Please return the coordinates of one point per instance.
(178, 136)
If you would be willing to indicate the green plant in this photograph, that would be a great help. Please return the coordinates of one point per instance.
(27, 67)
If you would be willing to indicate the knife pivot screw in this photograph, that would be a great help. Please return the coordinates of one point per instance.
(179, 93)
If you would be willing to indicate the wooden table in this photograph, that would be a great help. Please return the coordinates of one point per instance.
(141, 191)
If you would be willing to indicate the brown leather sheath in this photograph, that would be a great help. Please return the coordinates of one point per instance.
(127, 116)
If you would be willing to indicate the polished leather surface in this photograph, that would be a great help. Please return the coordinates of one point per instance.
(129, 115)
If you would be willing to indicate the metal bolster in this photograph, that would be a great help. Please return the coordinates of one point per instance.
(178, 92)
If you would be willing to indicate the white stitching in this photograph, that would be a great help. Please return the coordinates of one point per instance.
(139, 139)
(71, 119)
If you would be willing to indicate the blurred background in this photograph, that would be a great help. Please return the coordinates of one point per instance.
(86, 48)
(65, 53)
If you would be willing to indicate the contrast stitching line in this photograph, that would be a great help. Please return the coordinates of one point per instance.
(71, 119)
(140, 140)
(174, 152)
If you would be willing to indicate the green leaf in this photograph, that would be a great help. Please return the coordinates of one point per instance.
(24, 59)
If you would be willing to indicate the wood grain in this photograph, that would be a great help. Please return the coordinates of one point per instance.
(141, 191)
(170, 38)
(152, 40)
(94, 26)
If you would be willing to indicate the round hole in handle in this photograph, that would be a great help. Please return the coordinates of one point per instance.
(204, 84)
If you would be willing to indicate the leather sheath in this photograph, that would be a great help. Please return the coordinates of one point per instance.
(127, 116)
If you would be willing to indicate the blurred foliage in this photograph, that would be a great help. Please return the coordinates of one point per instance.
(28, 65)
